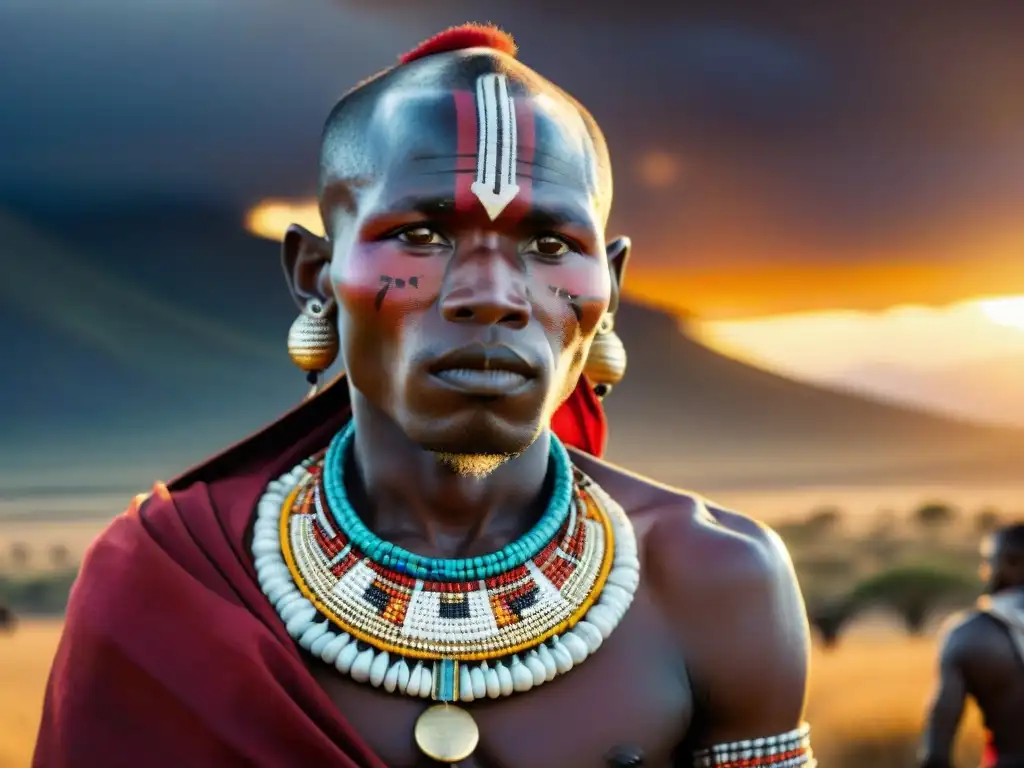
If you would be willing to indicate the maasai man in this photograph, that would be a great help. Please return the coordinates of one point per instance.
(982, 657)
(411, 567)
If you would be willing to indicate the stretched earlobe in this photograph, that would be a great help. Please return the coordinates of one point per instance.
(618, 254)
(304, 258)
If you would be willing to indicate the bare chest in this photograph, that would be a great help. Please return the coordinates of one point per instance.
(631, 696)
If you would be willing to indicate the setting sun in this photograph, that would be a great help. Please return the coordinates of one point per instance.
(1008, 310)
(824, 344)
(271, 218)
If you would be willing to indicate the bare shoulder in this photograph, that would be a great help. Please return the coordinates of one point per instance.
(966, 635)
(726, 585)
(692, 542)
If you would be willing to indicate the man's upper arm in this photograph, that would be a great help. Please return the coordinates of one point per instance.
(745, 633)
(948, 702)
(758, 684)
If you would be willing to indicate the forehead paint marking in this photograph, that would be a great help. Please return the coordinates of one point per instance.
(524, 121)
(495, 132)
(495, 186)
(466, 133)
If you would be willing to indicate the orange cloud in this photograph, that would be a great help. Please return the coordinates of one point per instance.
(759, 290)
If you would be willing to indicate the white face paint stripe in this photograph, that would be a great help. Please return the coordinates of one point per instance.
(513, 133)
(495, 186)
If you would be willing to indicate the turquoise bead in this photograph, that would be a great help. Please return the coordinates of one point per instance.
(388, 554)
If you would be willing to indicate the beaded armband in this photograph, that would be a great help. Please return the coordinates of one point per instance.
(787, 750)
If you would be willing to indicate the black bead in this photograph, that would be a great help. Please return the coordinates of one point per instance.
(455, 609)
(312, 377)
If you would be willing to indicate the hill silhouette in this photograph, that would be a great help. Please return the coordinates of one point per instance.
(686, 414)
(159, 339)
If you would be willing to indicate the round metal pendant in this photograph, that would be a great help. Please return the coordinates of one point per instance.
(446, 733)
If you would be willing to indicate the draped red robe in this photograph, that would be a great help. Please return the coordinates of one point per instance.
(989, 756)
(171, 655)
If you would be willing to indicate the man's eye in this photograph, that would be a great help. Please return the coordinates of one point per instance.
(421, 236)
(549, 246)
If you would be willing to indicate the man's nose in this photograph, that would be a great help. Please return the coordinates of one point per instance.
(486, 287)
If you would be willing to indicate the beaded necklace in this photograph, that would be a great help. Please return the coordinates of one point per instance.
(471, 629)
(438, 569)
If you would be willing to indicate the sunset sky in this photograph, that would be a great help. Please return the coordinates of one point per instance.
(830, 188)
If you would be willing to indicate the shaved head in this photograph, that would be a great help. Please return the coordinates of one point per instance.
(1004, 553)
(377, 119)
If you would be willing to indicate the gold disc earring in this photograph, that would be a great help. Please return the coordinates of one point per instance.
(606, 362)
(313, 342)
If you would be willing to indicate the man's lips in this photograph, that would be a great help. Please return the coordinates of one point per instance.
(484, 370)
(487, 358)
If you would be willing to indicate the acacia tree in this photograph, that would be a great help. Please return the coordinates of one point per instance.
(987, 520)
(914, 592)
(934, 515)
(18, 554)
(59, 556)
(828, 619)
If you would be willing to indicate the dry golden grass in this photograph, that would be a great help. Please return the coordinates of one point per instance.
(24, 664)
(866, 707)
(868, 701)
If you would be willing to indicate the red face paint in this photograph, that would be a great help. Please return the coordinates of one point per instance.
(385, 284)
(526, 118)
(573, 292)
(465, 149)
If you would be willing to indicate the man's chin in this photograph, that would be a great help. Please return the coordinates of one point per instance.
(476, 447)
(472, 464)
(475, 433)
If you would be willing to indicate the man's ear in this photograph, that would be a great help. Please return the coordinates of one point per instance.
(306, 258)
(618, 255)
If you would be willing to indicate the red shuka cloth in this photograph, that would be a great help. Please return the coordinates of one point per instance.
(171, 655)
(989, 756)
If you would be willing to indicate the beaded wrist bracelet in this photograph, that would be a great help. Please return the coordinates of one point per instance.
(787, 750)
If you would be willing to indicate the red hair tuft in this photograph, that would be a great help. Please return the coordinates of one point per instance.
(462, 37)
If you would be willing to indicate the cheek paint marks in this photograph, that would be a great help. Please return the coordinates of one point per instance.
(390, 282)
(581, 305)
(581, 290)
(563, 294)
(378, 283)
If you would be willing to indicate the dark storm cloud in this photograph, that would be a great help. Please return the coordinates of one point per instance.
(212, 99)
(845, 129)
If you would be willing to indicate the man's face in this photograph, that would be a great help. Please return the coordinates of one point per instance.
(1002, 566)
(474, 273)
(988, 571)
